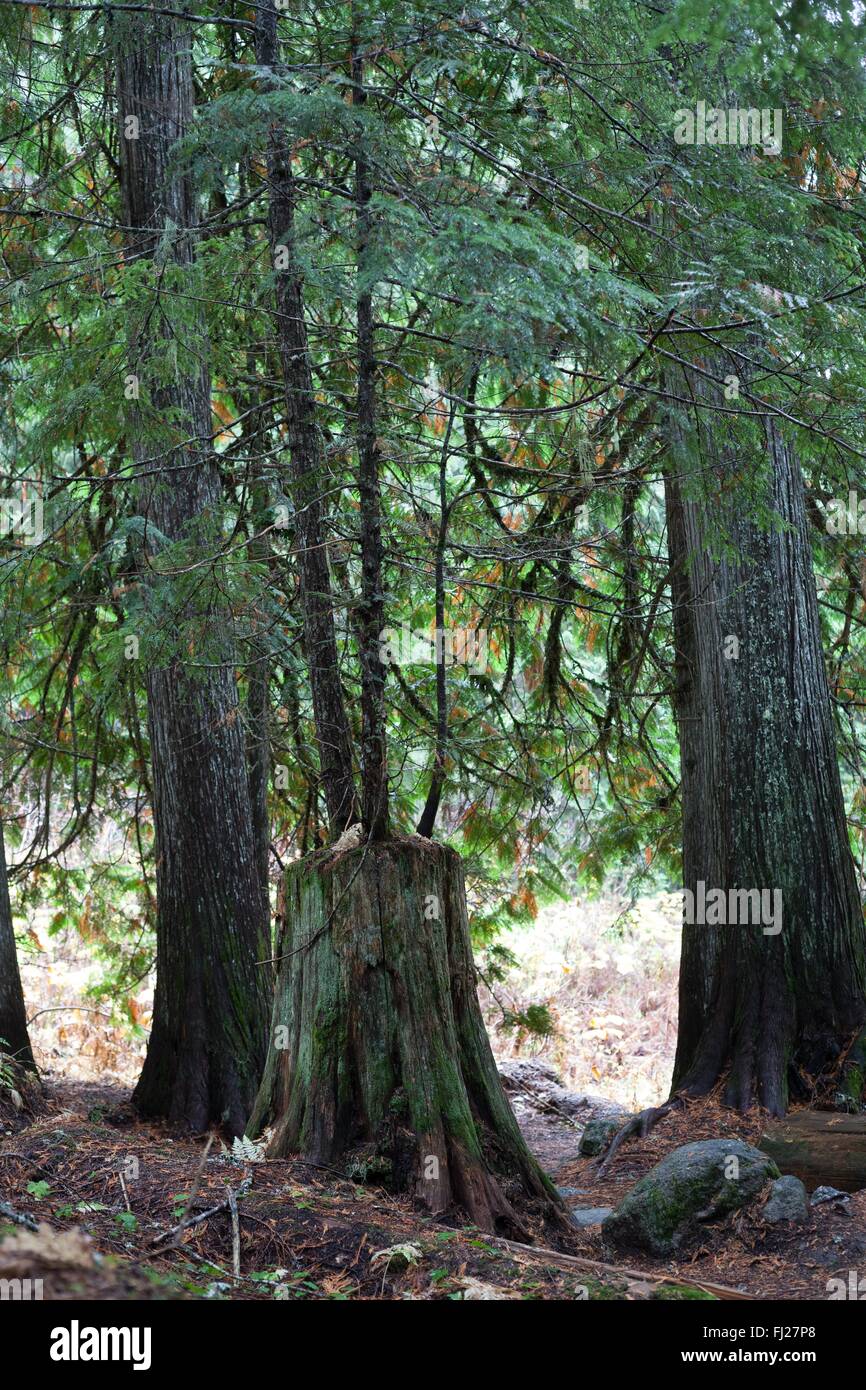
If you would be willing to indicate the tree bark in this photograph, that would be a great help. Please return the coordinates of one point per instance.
(762, 798)
(209, 1035)
(379, 1057)
(433, 799)
(371, 610)
(258, 735)
(306, 469)
(14, 1038)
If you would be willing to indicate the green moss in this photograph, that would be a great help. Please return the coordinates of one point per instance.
(852, 1092)
(599, 1133)
(603, 1293)
(370, 1167)
(685, 1189)
(398, 1105)
(329, 1035)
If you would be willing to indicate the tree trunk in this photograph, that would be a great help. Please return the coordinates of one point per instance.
(208, 1042)
(762, 799)
(433, 799)
(306, 469)
(258, 736)
(371, 610)
(13, 1018)
(379, 1056)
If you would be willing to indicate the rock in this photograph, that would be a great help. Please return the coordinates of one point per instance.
(691, 1185)
(587, 1106)
(829, 1194)
(573, 1104)
(528, 1075)
(538, 1084)
(590, 1216)
(598, 1134)
(535, 1085)
(788, 1201)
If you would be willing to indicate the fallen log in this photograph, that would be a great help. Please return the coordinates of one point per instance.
(820, 1147)
(531, 1253)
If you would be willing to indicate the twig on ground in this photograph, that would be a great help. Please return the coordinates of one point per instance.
(555, 1257)
(548, 1105)
(18, 1218)
(188, 1222)
(236, 1235)
(196, 1182)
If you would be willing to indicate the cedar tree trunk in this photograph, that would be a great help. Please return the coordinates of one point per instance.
(306, 467)
(762, 800)
(209, 1035)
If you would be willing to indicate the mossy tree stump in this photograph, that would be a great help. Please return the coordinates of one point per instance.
(378, 1048)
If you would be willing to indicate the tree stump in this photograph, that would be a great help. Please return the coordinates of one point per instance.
(378, 1054)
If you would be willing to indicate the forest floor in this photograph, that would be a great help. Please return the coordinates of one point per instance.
(301, 1232)
(108, 1191)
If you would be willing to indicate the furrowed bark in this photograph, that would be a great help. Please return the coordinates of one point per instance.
(209, 1032)
(762, 798)
(437, 781)
(258, 737)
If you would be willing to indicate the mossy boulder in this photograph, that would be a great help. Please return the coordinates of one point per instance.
(694, 1184)
(599, 1133)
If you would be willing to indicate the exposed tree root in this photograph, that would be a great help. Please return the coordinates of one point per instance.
(640, 1125)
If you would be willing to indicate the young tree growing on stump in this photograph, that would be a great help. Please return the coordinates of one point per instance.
(207, 1046)
(378, 1051)
(306, 466)
(767, 1006)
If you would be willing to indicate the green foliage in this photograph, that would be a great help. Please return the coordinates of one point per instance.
(521, 380)
(535, 1021)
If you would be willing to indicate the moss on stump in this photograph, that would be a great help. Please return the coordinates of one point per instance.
(378, 1054)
